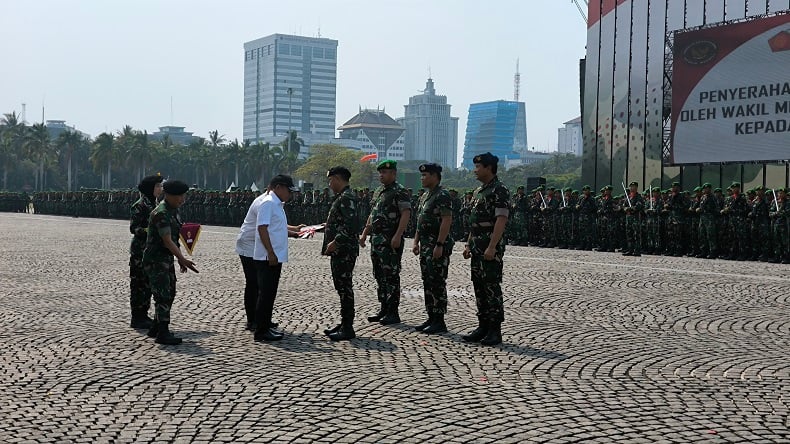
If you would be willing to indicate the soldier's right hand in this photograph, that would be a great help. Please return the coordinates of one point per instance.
(467, 252)
(415, 248)
(186, 263)
(362, 241)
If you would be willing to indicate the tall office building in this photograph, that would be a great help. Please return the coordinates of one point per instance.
(431, 134)
(289, 83)
(498, 127)
(569, 137)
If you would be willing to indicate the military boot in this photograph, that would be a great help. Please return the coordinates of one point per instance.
(425, 324)
(494, 335)
(345, 333)
(153, 330)
(392, 316)
(477, 334)
(140, 319)
(437, 326)
(377, 317)
(165, 337)
(335, 329)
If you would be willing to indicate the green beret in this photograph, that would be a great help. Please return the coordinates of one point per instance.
(608, 187)
(675, 184)
(567, 189)
(706, 185)
(717, 190)
(550, 189)
(586, 187)
(697, 189)
(520, 187)
(387, 165)
(574, 191)
(735, 185)
(758, 188)
(634, 183)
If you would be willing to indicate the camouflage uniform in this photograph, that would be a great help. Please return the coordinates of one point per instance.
(158, 261)
(386, 206)
(433, 205)
(488, 202)
(586, 208)
(781, 231)
(708, 209)
(140, 297)
(736, 208)
(675, 207)
(633, 224)
(342, 226)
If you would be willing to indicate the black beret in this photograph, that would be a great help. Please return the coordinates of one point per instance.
(486, 159)
(148, 184)
(175, 187)
(343, 172)
(430, 168)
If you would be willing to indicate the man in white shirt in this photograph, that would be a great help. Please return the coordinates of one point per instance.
(245, 248)
(271, 252)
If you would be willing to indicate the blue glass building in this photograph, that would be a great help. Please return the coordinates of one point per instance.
(499, 127)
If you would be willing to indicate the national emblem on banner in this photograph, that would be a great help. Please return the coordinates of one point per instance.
(189, 235)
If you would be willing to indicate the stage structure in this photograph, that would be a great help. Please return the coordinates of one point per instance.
(630, 87)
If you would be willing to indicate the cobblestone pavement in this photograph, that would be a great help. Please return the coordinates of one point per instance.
(598, 347)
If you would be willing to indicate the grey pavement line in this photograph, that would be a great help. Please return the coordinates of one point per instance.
(643, 267)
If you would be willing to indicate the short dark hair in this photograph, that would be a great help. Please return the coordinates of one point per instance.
(339, 171)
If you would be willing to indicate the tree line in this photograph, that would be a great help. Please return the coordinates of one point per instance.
(31, 159)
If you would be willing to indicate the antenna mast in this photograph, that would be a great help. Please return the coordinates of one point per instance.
(516, 83)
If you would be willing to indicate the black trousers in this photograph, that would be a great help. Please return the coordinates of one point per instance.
(250, 287)
(268, 281)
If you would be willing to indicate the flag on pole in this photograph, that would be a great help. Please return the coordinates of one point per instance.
(189, 235)
(372, 156)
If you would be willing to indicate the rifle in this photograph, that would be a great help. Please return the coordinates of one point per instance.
(543, 199)
(625, 190)
(564, 204)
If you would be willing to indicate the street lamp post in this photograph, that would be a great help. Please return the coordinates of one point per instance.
(290, 92)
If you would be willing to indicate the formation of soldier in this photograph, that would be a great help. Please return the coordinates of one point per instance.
(703, 222)
(14, 202)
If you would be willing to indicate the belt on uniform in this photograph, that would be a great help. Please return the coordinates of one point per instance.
(482, 230)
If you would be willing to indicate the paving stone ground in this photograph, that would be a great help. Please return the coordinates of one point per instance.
(598, 347)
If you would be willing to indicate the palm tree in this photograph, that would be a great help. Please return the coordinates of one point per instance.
(12, 133)
(235, 153)
(257, 160)
(67, 143)
(217, 155)
(39, 147)
(104, 152)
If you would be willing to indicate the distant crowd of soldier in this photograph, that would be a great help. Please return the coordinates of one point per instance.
(705, 222)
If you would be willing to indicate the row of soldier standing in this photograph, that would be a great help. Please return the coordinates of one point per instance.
(386, 225)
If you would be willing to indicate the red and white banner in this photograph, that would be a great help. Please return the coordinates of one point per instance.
(731, 93)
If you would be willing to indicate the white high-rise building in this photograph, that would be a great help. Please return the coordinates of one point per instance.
(569, 138)
(289, 83)
(431, 133)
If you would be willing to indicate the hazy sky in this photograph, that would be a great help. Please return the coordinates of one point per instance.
(102, 64)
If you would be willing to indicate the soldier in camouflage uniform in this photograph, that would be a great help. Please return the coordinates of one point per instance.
(761, 223)
(708, 211)
(653, 208)
(389, 216)
(486, 248)
(675, 208)
(140, 297)
(780, 217)
(456, 232)
(433, 244)
(586, 208)
(634, 209)
(736, 209)
(606, 220)
(519, 227)
(342, 246)
(161, 246)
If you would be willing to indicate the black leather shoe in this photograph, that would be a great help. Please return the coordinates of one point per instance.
(165, 337)
(251, 326)
(153, 330)
(329, 331)
(494, 335)
(477, 334)
(377, 317)
(267, 335)
(390, 318)
(422, 326)
(437, 326)
(345, 333)
(140, 320)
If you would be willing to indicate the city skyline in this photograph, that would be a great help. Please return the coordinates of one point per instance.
(189, 53)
